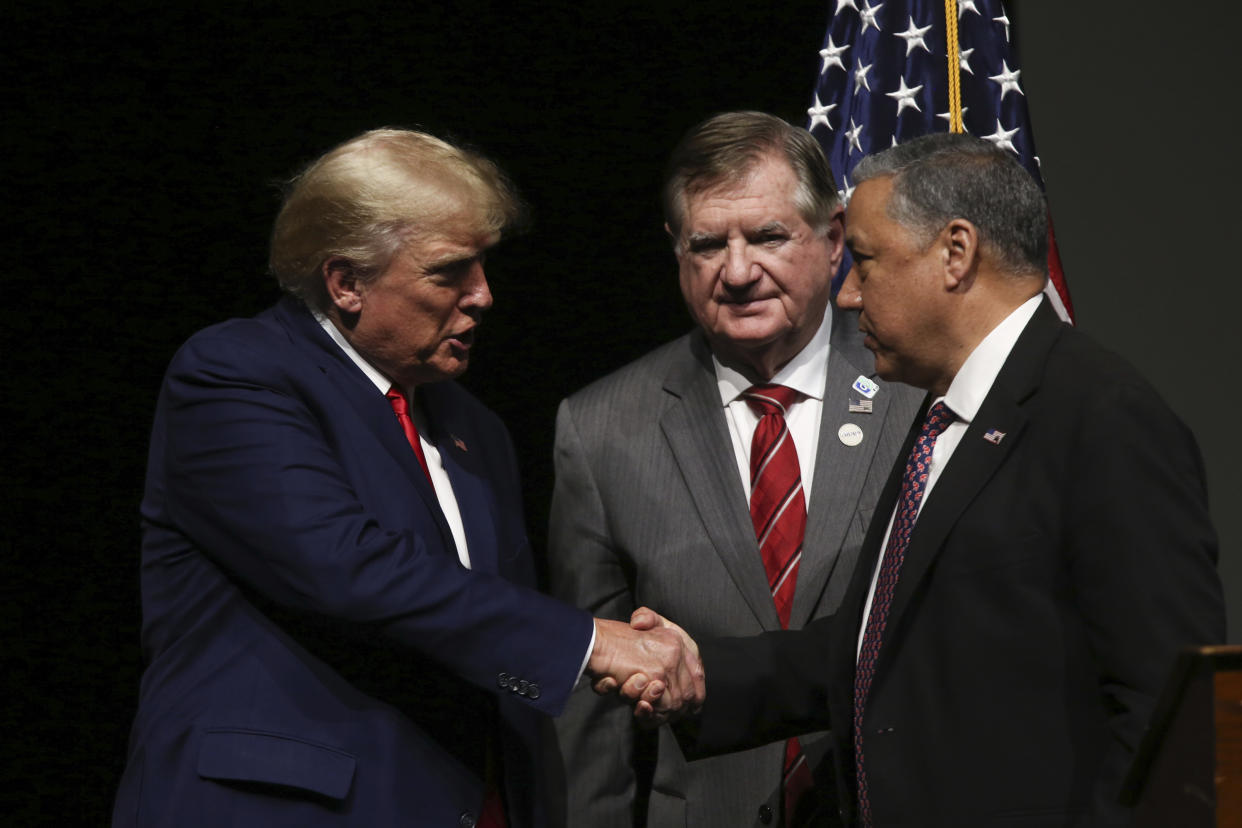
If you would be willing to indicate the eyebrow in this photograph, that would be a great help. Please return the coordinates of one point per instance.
(449, 262)
(702, 238)
(770, 227)
(761, 230)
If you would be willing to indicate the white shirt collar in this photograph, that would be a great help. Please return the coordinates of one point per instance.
(806, 373)
(974, 379)
(382, 382)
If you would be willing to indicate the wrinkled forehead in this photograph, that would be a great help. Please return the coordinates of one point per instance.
(451, 234)
(768, 183)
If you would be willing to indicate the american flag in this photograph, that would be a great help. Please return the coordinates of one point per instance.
(885, 77)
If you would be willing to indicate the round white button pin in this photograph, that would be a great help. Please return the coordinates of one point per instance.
(850, 434)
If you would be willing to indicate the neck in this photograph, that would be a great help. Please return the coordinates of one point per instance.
(974, 324)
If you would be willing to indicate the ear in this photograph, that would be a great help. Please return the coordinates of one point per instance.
(960, 240)
(341, 282)
(835, 238)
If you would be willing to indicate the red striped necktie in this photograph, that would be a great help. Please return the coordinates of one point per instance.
(778, 512)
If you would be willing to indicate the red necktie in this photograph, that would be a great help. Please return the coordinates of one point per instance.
(493, 815)
(778, 512)
(913, 482)
(401, 408)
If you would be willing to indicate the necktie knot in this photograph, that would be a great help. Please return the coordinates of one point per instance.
(400, 405)
(939, 417)
(770, 399)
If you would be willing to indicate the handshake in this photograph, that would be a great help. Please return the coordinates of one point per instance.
(650, 661)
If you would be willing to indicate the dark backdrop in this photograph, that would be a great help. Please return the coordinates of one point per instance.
(145, 143)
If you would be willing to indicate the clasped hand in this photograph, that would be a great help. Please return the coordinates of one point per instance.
(650, 661)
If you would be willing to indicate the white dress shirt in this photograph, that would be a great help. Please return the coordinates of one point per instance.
(435, 466)
(966, 393)
(806, 373)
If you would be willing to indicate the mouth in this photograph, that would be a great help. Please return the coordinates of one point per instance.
(461, 340)
(743, 304)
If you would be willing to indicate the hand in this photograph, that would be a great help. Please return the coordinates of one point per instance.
(652, 662)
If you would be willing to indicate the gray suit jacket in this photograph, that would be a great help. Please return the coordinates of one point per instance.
(649, 509)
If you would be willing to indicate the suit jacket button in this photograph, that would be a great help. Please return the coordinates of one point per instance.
(466, 820)
(534, 691)
(765, 814)
(503, 681)
(523, 687)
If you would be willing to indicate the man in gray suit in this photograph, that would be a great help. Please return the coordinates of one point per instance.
(662, 467)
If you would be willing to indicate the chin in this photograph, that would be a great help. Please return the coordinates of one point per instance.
(886, 370)
(754, 335)
(440, 372)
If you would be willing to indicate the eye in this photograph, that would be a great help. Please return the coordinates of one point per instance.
(860, 266)
(456, 271)
(769, 238)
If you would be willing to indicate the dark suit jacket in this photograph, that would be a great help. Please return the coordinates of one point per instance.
(1049, 581)
(649, 509)
(316, 653)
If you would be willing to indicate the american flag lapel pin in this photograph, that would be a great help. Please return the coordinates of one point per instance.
(994, 436)
(460, 443)
(861, 394)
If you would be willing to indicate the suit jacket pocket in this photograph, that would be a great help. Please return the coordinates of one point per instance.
(255, 756)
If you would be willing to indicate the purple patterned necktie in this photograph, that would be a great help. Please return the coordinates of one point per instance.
(913, 482)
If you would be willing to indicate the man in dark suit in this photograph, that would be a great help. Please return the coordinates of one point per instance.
(338, 616)
(996, 657)
(653, 499)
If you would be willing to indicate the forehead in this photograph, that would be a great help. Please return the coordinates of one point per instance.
(448, 235)
(866, 215)
(767, 188)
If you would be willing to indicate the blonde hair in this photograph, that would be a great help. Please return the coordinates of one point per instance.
(364, 199)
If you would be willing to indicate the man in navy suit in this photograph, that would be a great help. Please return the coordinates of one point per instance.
(338, 613)
(1041, 551)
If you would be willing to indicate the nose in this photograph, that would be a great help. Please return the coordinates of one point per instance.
(739, 271)
(849, 297)
(477, 295)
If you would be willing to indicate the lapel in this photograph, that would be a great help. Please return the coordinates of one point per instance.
(840, 470)
(975, 460)
(465, 465)
(698, 438)
(356, 388)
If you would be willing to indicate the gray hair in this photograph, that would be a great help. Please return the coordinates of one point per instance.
(726, 146)
(943, 176)
(364, 199)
